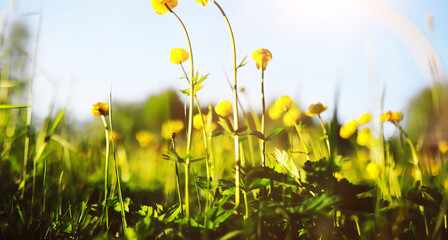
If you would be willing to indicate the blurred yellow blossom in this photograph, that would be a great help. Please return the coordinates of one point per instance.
(348, 129)
(114, 136)
(178, 55)
(100, 109)
(224, 108)
(373, 170)
(261, 57)
(159, 5)
(364, 137)
(291, 117)
(170, 127)
(315, 109)
(391, 117)
(144, 138)
(284, 103)
(203, 2)
(365, 118)
(443, 146)
(274, 113)
(197, 121)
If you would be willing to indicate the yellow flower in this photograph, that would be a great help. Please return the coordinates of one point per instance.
(144, 138)
(443, 146)
(315, 109)
(391, 117)
(100, 109)
(348, 129)
(203, 2)
(159, 5)
(261, 57)
(364, 137)
(114, 136)
(291, 116)
(197, 121)
(170, 127)
(365, 118)
(284, 103)
(274, 113)
(373, 170)
(178, 55)
(224, 108)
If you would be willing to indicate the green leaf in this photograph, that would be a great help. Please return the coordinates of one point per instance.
(275, 132)
(56, 122)
(242, 63)
(9, 106)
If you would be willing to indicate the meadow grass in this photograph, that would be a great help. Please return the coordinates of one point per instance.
(311, 179)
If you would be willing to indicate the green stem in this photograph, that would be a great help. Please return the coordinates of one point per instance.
(106, 170)
(263, 112)
(190, 118)
(235, 110)
(325, 133)
(117, 173)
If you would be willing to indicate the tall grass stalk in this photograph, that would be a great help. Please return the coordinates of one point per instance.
(30, 103)
(190, 118)
(117, 173)
(235, 110)
(106, 171)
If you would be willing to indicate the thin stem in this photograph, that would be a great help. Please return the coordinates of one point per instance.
(179, 194)
(106, 170)
(235, 110)
(263, 112)
(190, 118)
(117, 173)
(324, 130)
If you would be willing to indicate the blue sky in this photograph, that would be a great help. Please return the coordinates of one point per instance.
(318, 46)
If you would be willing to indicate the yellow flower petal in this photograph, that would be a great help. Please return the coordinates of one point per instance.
(197, 121)
(159, 5)
(348, 129)
(170, 127)
(284, 103)
(100, 108)
(291, 117)
(261, 57)
(365, 118)
(144, 138)
(315, 109)
(364, 137)
(224, 108)
(274, 113)
(443, 146)
(178, 55)
(391, 117)
(373, 170)
(203, 2)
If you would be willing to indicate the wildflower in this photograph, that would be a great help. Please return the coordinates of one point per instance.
(274, 113)
(348, 129)
(284, 103)
(315, 109)
(144, 138)
(224, 108)
(365, 118)
(170, 127)
(291, 116)
(373, 170)
(443, 146)
(178, 55)
(100, 109)
(364, 137)
(159, 5)
(391, 117)
(261, 57)
(203, 2)
(114, 136)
